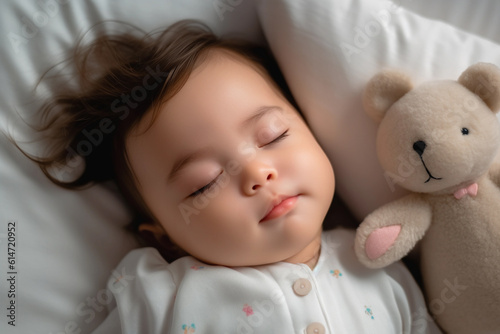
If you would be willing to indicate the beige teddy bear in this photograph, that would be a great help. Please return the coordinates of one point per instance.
(439, 140)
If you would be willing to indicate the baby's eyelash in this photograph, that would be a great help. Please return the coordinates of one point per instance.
(279, 138)
(204, 188)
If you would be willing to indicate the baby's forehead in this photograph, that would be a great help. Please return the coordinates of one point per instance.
(218, 58)
(221, 72)
(226, 56)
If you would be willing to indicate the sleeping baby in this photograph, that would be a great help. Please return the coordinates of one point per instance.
(230, 186)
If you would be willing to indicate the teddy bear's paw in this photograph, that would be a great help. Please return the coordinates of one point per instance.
(379, 241)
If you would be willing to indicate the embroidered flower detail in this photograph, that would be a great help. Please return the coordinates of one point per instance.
(118, 279)
(188, 329)
(369, 312)
(248, 310)
(197, 267)
(336, 273)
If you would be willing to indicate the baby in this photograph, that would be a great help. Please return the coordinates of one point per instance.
(218, 162)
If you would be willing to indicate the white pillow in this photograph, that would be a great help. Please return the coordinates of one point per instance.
(68, 242)
(328, 49)
(476, 17)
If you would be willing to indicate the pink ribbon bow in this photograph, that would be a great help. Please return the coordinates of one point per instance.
(470, 190)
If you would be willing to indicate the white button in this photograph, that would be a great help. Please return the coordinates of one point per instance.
(302, 286)
(315, 328)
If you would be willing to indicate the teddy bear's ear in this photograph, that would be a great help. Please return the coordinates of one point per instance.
(483, 79)
(383, 90)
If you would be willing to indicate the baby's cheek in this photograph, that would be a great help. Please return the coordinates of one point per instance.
(213, 207)
(316, 167)
(219, 227)
(306, 155)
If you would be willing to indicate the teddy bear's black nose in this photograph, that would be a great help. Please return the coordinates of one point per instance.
(419, 147)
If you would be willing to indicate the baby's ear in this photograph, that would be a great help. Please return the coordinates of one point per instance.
(155, 229)
(383, 90)
(483, 79)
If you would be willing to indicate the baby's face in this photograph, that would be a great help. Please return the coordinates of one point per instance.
(221, 154)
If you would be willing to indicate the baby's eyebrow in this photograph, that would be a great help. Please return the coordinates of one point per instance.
(259, 113)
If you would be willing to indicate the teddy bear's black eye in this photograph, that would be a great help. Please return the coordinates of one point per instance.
(465, 131)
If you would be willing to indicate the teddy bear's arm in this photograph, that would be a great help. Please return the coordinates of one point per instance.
(391, 231)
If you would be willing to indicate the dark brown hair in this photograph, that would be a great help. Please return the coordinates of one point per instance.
(120, 78)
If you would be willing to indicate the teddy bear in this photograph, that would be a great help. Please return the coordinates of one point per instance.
(439, 140)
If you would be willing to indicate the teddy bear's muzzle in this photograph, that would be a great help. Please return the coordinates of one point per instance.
(419, 147)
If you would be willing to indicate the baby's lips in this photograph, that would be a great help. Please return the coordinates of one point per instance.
(280, 206)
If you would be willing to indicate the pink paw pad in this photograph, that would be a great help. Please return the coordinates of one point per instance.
(379, 241)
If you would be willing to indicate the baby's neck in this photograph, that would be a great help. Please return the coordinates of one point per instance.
(314, 260)
(309, 255)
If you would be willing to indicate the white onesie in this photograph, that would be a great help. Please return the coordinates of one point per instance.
(338, 296)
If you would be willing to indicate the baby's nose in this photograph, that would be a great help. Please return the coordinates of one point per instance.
(256, 176)
(270, 176)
